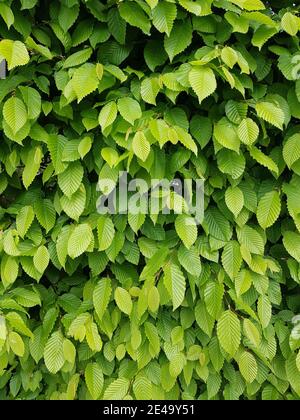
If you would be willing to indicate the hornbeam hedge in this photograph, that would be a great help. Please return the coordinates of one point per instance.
(150, 306)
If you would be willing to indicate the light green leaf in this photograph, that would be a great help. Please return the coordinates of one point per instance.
(79, 240)
(234, 199)
(78, 58)
(175, 284)
(229, 332)
(252, 333)
(290, 23)
(226, 134)
(203, 81)
(101, 296)
(70, 180)
(16, 343)
(129, 109)
(32, 167)
(94, 379)
(14, 52)
(232, 259)
(291, 150)
(248, 131)
(9, 270)
(41, 259)
(213, 297)
(107, 115)
(164, 15)
(85, 81)
(186, 229)
(45, 213)
(53, 353)
(264, 310)
(15, 114)
(106, 232)
(248, 366)
(271, 113)
(24, 220)
(116, 390)
(268, 209)
(141, 146)
(123, 300)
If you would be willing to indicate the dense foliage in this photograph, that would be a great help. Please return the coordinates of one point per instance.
(150, 306)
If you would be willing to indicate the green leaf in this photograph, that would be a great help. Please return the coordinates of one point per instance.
(175, 284)
(150, 88)
(216, 224)
(70, 180)
(106, 232)
(213, 297)
(264, 310)
(135, 16)
(101, 296)
(202, 81)
(15, 114)
(85, 81)
(142, 388)
(164, 15)
(290, 23)
(84, 146)
(268, 209)
(154, 263)
(7, 14)
(75, 205)
(32, 100)
(141, 146)
(263, 159)
(41, 259)
(293, 374)
(232, 259)
(107, 115)
(116, 390)
(16, 343)
(291, 242)
(248, 131)
(229, 332)
(45, 213)
(226, 134)
(251, 239)
(14, 52)
(186, 139)
(24, 220)
(186, 229)
(129, 109)
(192, 6)
(32, 167)
(234, 199)
(180, 38)
(252, 333)
(248, 366)
(291, 150)
(271, 113)
(94, 379)
(53, 353)
(78, 58)
(123, 300)
(9, 270)
(79, 240)
(190, 260)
